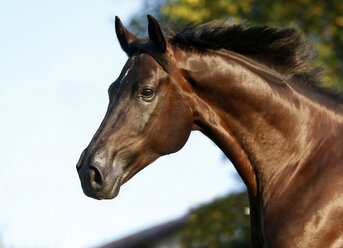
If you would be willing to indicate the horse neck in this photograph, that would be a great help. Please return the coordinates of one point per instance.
(261, 123)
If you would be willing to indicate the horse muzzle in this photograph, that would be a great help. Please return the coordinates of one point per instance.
(98, 179)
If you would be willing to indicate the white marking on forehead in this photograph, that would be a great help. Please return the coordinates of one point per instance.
(127, 71)
(121, 81)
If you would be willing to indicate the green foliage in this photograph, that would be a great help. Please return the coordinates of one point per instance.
(222, 223)
(321, 21)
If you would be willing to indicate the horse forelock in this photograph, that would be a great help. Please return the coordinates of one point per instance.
(146, 46)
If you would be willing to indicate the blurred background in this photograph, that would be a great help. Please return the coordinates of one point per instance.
(57, 59)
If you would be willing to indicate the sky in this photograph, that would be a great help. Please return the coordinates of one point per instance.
(57, 59)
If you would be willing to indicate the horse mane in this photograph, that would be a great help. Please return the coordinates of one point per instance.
(283, 49)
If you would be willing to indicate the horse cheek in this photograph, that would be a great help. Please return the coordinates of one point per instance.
(173, 130)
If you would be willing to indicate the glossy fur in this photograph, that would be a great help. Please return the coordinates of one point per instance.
(254, 92)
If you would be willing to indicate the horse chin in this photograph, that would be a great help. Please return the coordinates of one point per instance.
(115, 189)
(107, 193)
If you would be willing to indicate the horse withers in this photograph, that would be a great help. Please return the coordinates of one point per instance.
(255, 93)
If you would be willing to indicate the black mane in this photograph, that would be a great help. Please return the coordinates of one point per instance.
(285, 50)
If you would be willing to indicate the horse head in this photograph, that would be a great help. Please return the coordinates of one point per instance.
(148, 115)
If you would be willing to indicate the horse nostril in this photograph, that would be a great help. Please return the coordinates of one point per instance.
(96, 178)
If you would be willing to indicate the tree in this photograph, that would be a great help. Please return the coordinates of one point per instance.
(221, 223)
(321, 21)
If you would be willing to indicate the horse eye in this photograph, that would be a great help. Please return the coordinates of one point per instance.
(147, 92)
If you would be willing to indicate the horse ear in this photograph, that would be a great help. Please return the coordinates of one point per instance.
(155, 34)
(124, 36)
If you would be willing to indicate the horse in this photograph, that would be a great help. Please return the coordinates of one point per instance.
(255, 92)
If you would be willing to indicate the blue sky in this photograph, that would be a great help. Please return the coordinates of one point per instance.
(57, 59)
